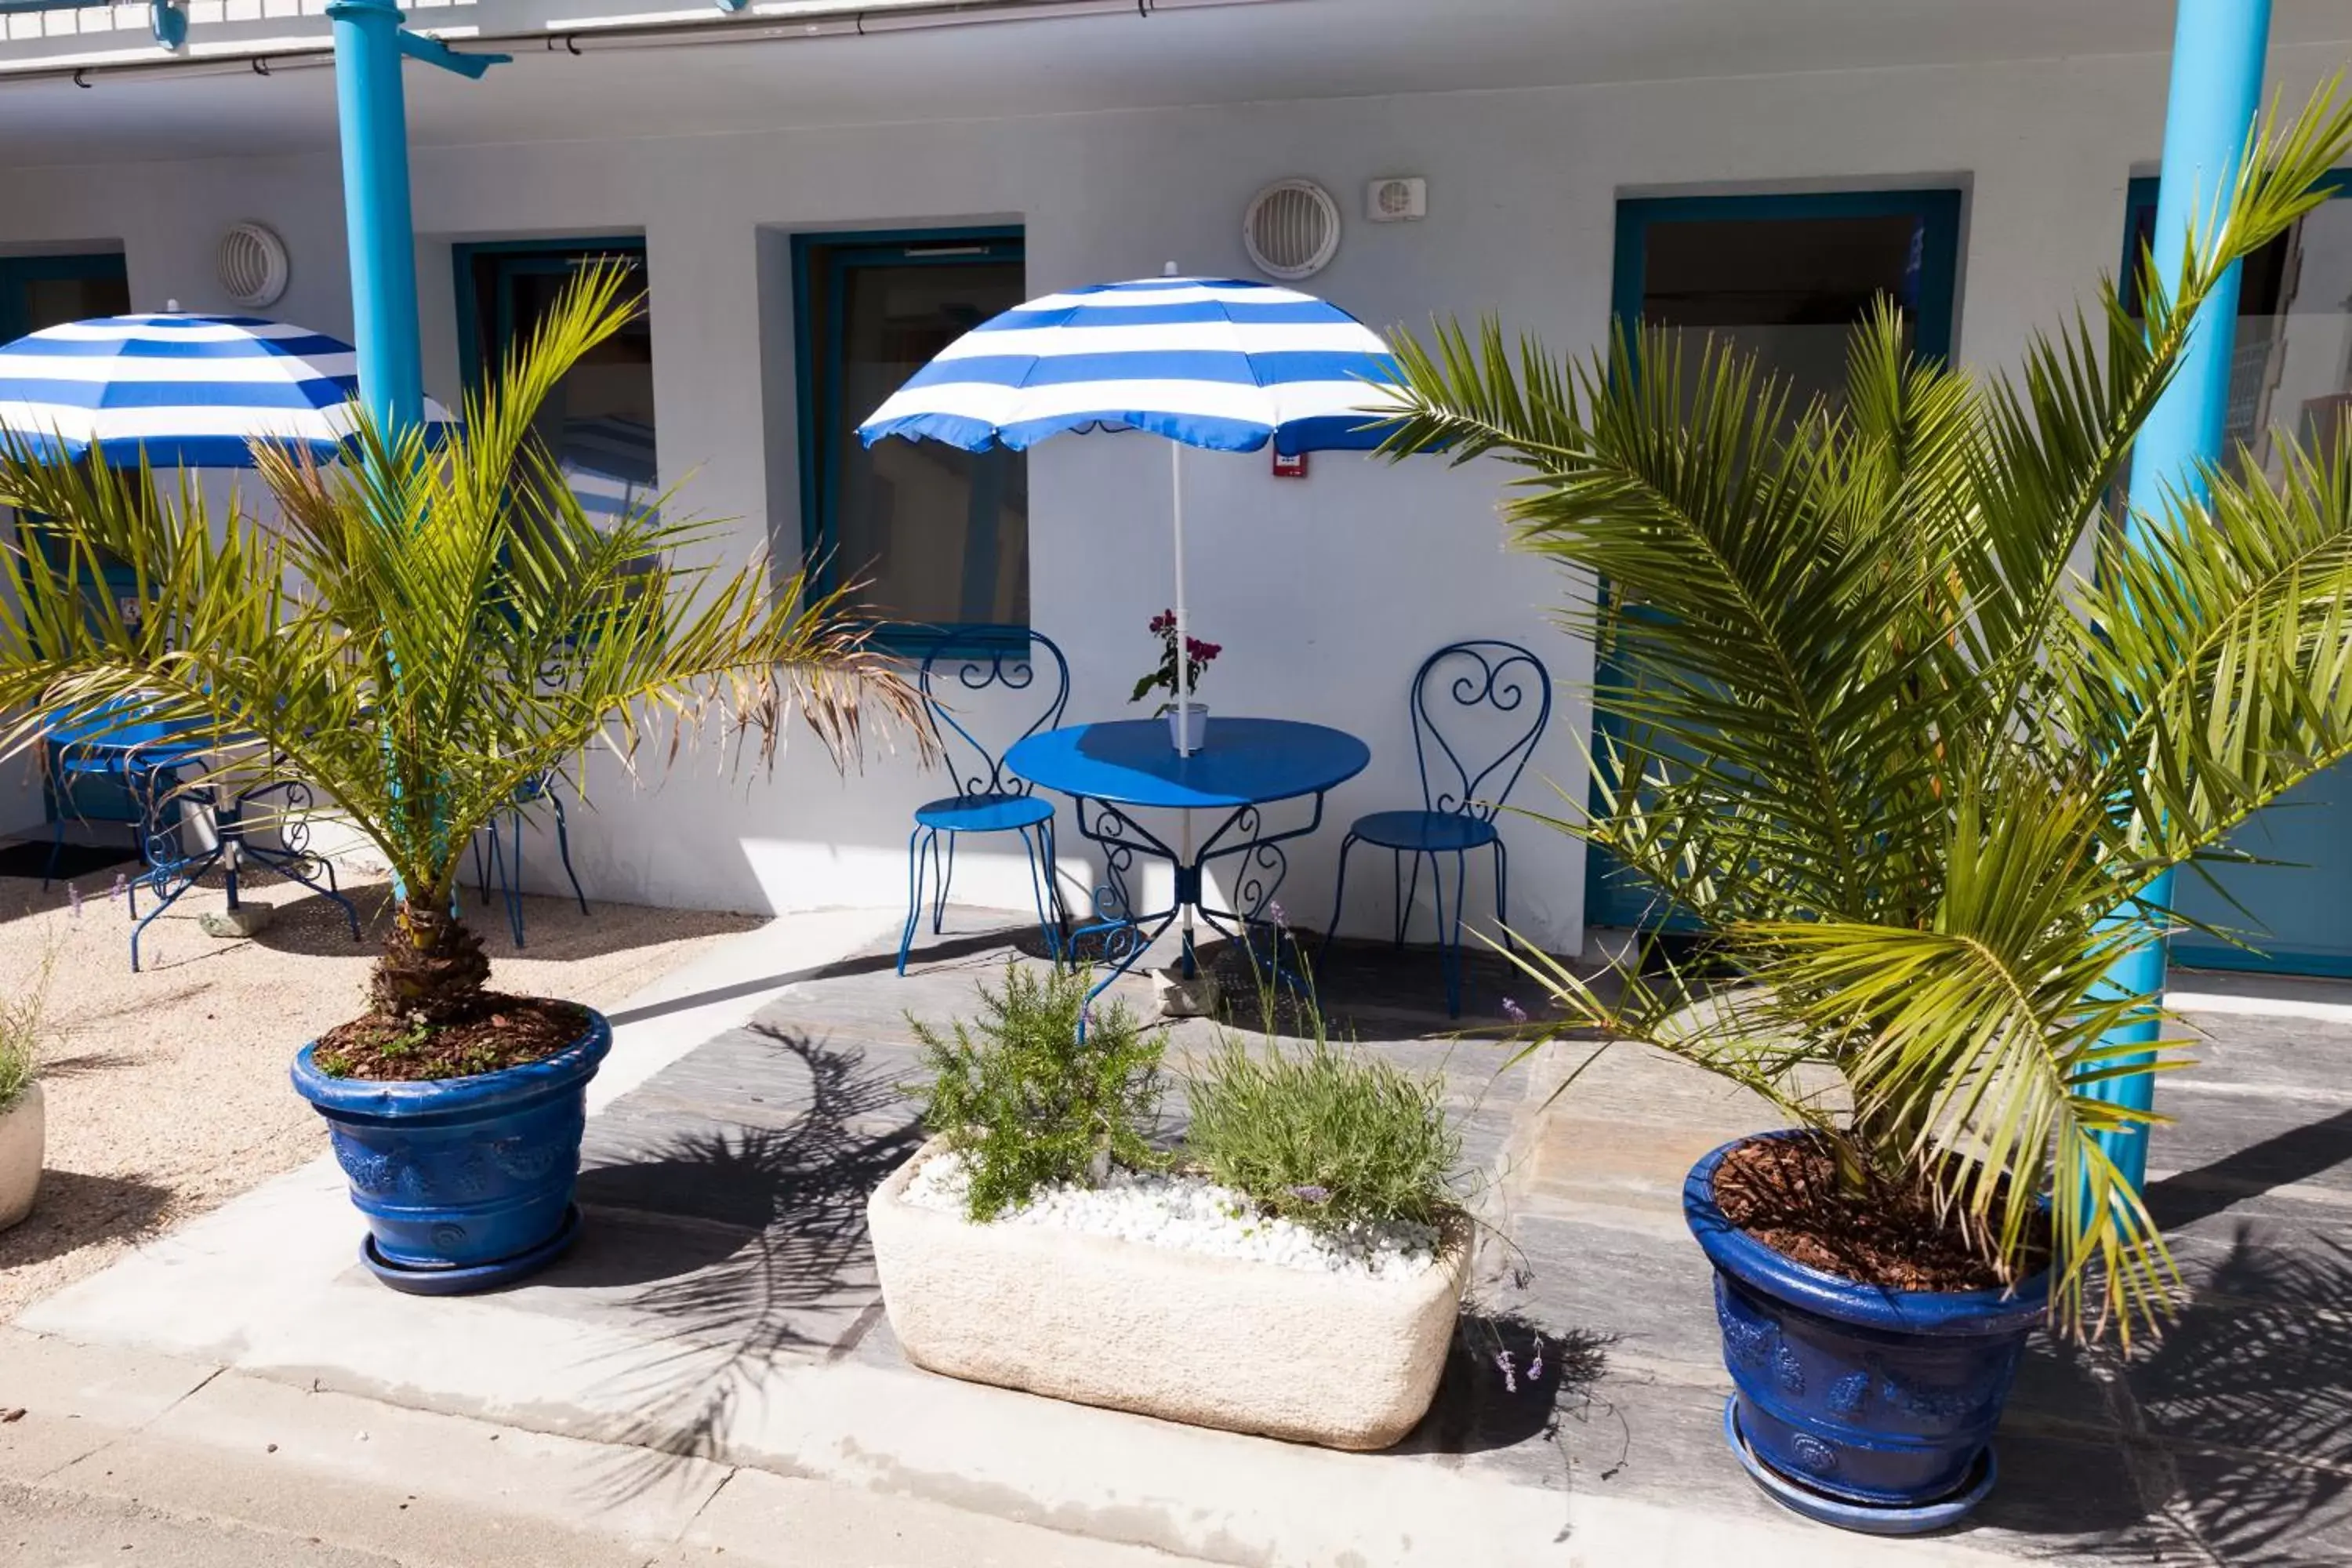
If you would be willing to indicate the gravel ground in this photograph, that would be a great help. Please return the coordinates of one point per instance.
(167, 1090)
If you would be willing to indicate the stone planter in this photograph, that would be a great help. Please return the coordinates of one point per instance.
(1343, 1361)
(21, 1142)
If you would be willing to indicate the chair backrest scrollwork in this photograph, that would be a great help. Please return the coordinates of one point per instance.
(1467, 697)
(960, 668)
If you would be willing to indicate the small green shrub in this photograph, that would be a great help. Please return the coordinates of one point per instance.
(1326, 1136)
(1025, 1103)
(23, 1025)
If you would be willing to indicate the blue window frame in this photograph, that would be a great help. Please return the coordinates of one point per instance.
(2289, 370)
(38, 291)
(926, 536)
(599, 422)
(1786, 276)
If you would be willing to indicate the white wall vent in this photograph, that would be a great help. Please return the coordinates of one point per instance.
(252, 266)
(1292, 229)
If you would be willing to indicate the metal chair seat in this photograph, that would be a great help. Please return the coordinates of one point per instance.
(984, 813)
(1423, 832)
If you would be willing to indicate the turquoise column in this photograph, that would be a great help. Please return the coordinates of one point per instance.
(374, 121)
(2217, 47)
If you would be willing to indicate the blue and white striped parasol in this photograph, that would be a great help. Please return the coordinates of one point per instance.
(1219, 362)
(1210, 362)
(187, 390)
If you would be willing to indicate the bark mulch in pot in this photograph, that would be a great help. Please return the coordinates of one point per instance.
(1785, 1192)
(500, 1032)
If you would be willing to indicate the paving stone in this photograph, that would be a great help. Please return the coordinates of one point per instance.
(727, 1198)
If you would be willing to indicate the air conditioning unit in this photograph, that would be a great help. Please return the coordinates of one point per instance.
(1397, 199)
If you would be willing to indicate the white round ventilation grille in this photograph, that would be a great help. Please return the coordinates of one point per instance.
(1292, 229)
(252, 266)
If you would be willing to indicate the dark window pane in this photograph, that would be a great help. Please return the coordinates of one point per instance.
(598, 422)
(51, 301)
(1788, 289)
(933, 536)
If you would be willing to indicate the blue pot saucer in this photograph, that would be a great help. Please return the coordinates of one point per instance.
(1869, 1519)
(480, 1275)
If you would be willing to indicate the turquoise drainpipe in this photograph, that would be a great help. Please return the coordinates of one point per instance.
(374, 121)
(2217, 82)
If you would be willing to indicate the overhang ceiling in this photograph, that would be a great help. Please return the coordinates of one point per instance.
(1284, 48)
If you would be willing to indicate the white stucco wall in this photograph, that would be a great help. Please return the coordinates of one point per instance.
(1324, 594)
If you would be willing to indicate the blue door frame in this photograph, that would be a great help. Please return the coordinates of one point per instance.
(1611, 897)
(87, 799)
(2325, 802)
(17, 273)
(831, 258)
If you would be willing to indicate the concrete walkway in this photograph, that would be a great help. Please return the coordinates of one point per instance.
(124, 1457)
(722, 1314)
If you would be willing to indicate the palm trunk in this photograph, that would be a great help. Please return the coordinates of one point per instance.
(431, 970)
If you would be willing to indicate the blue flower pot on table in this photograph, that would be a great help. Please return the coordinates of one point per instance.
(1864, 1407)
(466, 1183)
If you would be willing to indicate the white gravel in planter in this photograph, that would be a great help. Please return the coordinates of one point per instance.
(1191, 1213)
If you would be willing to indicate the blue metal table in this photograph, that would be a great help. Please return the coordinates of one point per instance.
(145, 758)
(1111, 770)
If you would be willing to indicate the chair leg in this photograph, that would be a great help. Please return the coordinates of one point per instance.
(1502, 896)
(563, 848)
(947, 881)
(1056, 909)
(499, 872)
(915, 848)
(481, 870)
(1449, 937)
(57, 850)
(1405, 901)
(1032, 848)
(1338, 896)
(514, 881)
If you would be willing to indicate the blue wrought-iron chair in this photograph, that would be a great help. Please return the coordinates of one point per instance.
(1459, 802)
(509, 845)
(968, 661)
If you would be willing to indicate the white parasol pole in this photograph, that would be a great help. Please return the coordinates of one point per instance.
(1183, 669)
(1183, 661)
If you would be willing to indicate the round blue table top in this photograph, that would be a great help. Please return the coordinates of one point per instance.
(116, 726)
(114, 732)
(1242, 761)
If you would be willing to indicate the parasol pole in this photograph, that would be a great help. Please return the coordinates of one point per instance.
(1183, 661)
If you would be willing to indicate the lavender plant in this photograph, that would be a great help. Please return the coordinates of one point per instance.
(1327, 1136)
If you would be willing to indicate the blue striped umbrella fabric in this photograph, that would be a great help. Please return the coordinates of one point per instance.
(1219, 362)
(188, 391)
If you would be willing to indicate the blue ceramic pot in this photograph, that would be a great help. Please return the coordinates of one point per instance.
(462, 1179)
(1882, 1401)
